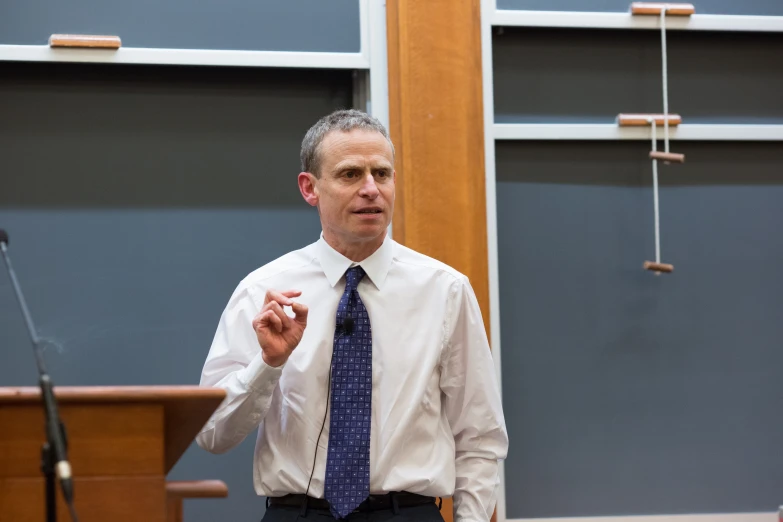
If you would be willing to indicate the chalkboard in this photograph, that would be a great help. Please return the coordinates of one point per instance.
(589, 76)
(726, 7)
(627, 393)
(261, 25)
(136, 198)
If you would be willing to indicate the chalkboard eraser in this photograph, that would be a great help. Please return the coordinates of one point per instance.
(85, 41)
(658, 267)
(655, 8)
(631, 120)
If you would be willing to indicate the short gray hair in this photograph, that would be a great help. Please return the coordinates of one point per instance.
(342, 120)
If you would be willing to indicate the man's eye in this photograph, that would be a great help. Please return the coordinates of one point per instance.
(350, 174)
(383, 173)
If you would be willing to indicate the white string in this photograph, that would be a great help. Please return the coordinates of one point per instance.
(665, 81)
(655, 197)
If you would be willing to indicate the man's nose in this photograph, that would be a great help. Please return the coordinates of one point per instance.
(369, 188)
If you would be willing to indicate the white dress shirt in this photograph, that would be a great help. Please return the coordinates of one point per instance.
(437, 423)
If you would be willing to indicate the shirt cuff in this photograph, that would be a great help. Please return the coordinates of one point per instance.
(259, 376)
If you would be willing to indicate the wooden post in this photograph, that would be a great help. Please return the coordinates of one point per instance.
(437, 126)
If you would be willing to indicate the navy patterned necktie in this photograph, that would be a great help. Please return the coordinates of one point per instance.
(348, 462)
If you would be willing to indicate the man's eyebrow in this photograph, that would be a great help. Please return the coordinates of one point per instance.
(348, 165)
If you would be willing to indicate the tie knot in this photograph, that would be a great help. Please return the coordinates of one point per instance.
(352, 277)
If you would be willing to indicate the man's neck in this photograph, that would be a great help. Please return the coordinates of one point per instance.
(355, 251)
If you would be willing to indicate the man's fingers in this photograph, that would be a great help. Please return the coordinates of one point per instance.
(300, 313)
(274, 303)
(270, 318)
(275, 307)
(284, 298)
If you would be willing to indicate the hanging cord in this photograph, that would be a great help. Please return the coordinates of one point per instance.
(665, 82)
(655, 197)
(666, 156)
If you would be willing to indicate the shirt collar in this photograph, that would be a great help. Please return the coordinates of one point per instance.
(334, 264)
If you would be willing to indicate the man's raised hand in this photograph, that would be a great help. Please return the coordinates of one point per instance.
(278, 334)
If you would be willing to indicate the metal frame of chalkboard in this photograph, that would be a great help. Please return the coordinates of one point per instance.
(578, 19)
(139, 55)
(611, 131)
(492, 17)
(377, 77)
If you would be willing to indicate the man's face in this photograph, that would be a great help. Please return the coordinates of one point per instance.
(355, 191)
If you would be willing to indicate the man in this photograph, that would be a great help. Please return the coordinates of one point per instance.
(376, 393)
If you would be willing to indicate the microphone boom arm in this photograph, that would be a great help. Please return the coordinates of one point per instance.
(55, 454)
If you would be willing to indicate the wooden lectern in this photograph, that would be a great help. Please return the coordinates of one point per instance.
(122, 441)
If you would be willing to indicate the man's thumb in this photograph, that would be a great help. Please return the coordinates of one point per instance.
(300, 313)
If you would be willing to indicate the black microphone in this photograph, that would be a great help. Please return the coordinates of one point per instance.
(348, 325)
(54, 455)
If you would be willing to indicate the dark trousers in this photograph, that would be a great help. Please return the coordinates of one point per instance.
(425, 513)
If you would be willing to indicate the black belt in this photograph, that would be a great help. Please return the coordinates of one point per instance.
(372, 503)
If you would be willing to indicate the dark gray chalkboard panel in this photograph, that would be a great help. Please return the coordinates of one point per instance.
(627, 393)
(589, 76)
(727, 7)
(136, 199)
(269, 25)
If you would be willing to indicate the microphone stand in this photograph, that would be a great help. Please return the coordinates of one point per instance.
(54, 457)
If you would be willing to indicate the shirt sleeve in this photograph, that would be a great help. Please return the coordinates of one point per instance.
(235, 364)
(473, 407)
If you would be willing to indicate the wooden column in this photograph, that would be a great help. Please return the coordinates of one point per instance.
(437, 126)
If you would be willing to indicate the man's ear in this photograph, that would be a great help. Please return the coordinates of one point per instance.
(307, 186)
